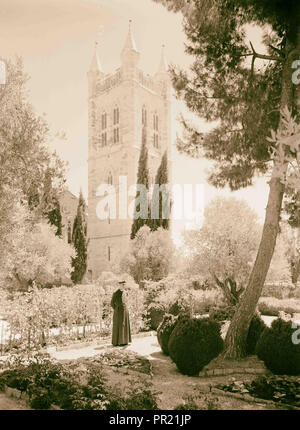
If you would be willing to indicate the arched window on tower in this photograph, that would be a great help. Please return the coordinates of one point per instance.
(103, 128)
(116, 132)
(104, 121)
(155, 130)
(144, 116)
(110, 179)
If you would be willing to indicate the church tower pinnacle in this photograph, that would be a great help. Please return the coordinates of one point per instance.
(163, 66)
(130, 55)
(96, 64)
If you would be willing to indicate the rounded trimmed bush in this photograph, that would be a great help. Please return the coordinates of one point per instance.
(277, 350)
(194, 343)
(166, 327)
(257, 326)
(155, 314)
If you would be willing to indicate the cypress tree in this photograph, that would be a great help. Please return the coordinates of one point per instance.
(142, 179)
(79, 239)
(160, 204)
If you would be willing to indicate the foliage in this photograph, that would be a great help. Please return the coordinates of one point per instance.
(272, 306)
(79, 239)
(25, 161)
(50, 206)
(174, 295)
(177, 295)
(246, 102)
(62, 314)
(34, 254)
(161, 202)
(138, 396)
(222, 86)
(276, 348)
(128, 359)
(194, 343)
(164, 331)
(256, 328)
(280, 267)
(279, 389)
(224, 247)
(154, 315)
(150, 255)
(283, 389)
(142, 179)
(278, 290)
(78, 385)
(221, 313)
(199, 402)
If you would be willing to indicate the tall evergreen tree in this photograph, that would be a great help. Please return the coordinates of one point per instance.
(142, 179)
(54, 216)
(79, 239)
(49, 205)
(247, 101)
(160, 204)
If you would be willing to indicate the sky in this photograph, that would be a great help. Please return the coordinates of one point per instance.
(56, 39)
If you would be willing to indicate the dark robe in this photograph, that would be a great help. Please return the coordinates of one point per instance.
(121, 334)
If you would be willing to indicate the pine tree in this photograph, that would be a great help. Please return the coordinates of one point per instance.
(142, 179)
(247, 102)
(79, 239)
(160, 204)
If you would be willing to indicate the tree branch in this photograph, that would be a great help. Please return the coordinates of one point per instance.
(262, 56)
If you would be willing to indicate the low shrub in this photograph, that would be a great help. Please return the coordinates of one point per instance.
(256, 328)
(277, 291)
(194, 343)
(138, 396)
(41, 401)
(80, 385)
(283, 389)
(277, 350)
(176, 296)
(279, 389)
(154, 315)
(272, 306)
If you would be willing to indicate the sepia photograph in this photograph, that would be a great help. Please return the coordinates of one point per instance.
(149, 209)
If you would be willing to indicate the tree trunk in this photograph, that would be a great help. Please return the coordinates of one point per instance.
(237, 333)
(296, 271)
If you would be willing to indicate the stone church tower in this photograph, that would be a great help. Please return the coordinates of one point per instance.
(120, 106)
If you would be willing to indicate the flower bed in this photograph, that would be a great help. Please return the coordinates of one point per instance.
(81, 384)
(285, 389)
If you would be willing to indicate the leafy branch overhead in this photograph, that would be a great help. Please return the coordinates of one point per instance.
(286, 142)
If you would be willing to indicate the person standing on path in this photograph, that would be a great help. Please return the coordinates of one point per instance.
(121, 334)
